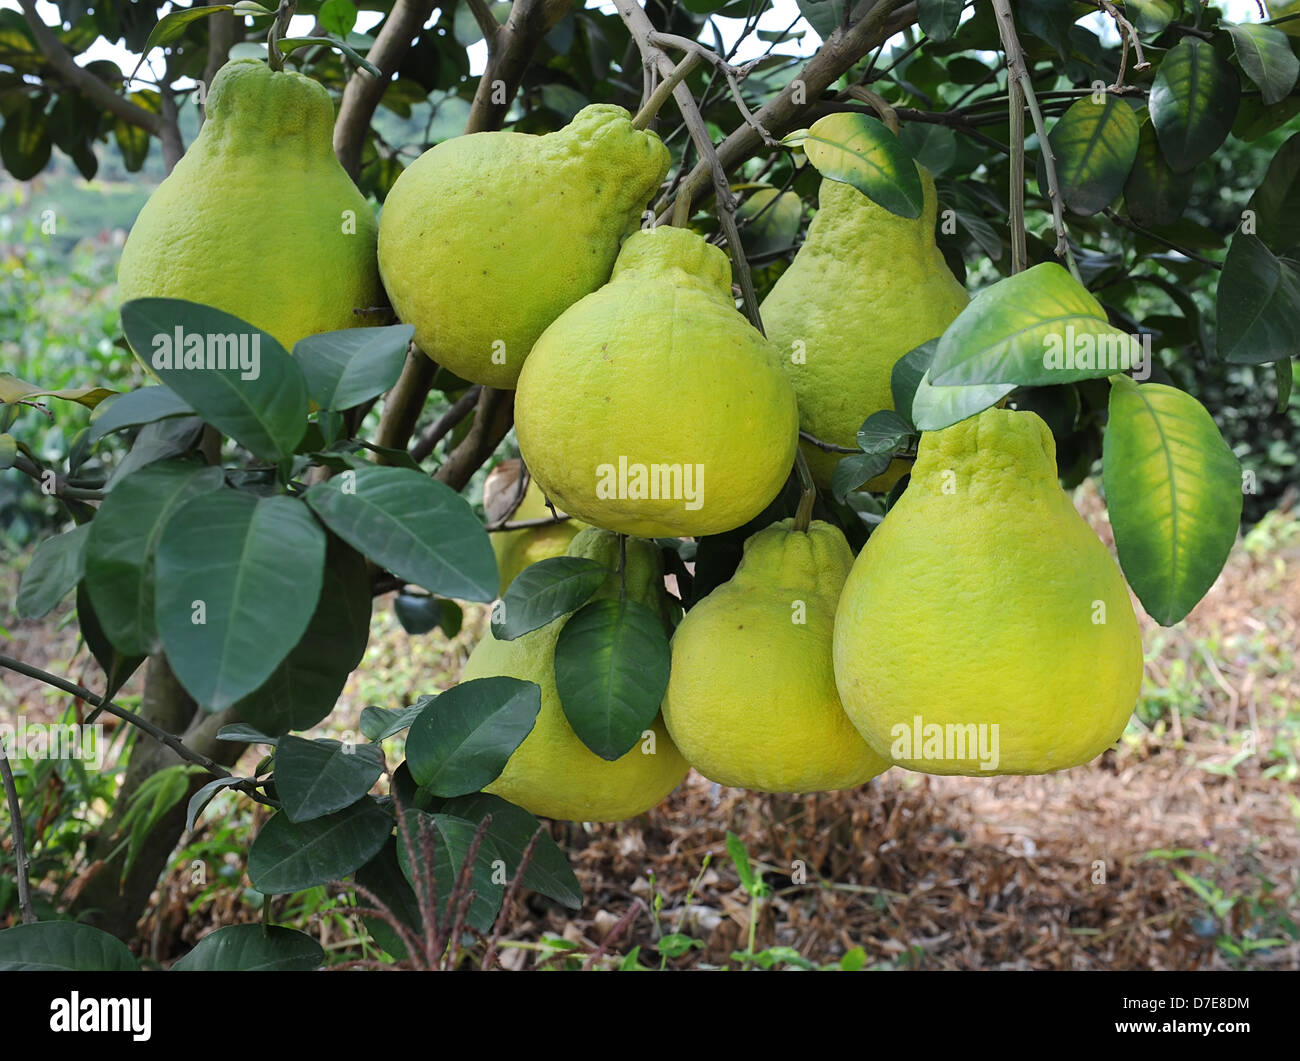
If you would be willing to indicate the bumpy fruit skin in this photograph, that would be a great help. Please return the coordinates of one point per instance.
(866, 287)
(657, 369)
(979, 600)
(751, 700)
(517, 549)
(258, 218)
(552, 773)
(485, 239)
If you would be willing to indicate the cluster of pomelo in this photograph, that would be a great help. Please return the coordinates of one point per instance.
(982, 629)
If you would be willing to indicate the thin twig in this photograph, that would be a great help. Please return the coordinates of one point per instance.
(171, 740)
(622, 923)
(1128, 33)
(1186, 252)
(445, 424)
(826, 447)
(663, 90)
(733, 75)
(22, 865)
(1019, 72)
(642, 29)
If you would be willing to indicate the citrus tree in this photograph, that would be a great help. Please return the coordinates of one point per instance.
(735, 398)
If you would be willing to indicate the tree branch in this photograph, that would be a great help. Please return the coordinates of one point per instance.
(363, 91)
(641, 28)
(510, 48)
(1019, 72)
(837, 54)
(161, 735)
(22, 865)
(445, 423)
(492, 419)
(90, 86)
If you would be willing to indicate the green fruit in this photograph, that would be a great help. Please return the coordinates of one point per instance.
(751, 699)
(984, 608)
(866, 287)
(652, 407)
(517, 549)
(259, 219)
(552, 773)
(485, 239)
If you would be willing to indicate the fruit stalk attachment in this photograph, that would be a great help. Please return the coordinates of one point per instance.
(283, 15)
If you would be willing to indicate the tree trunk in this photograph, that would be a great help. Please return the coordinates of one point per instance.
(106, 900)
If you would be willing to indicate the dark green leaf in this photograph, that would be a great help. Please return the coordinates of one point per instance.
(318, 777)
(1193, 102)
(380, 722)
(544, 591)
(417, 528)
(345, 368)
(288, 857)
(123, 539)
(237, 579)
(382, 877)
(144, 406)
(1151, 17)
(882, 432)
(611, 671)
(308, 682)
(939, 18)
(906, 376)
(1095, 145)
(462, 741)
(854, 471)
(263, 407)
(548, 872)
(1276, 202)
(116, 666)
(1265, 54)
(203, 797)
(253, 949)
(1154, 194)
(55, 568)
(452, 839)
(825, 16)
(1258, 304)
(62, 946)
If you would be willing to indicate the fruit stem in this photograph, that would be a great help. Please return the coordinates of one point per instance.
(275, 57)
(663, 90)
(682, 209)
(803, 515)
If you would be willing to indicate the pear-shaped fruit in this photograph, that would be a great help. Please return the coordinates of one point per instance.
(552, 773)
(652, 407)
(866, 287)
(487, 238)
(516, 549)
(751, 700)
(258, 218)
(984, 628)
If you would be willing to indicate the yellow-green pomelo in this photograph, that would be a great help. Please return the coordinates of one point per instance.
(866, 287)
(751, 699)
(485, 239)
(984, 628)
(652, 407)
(516, 549)
(258, 218)
(552, 773)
